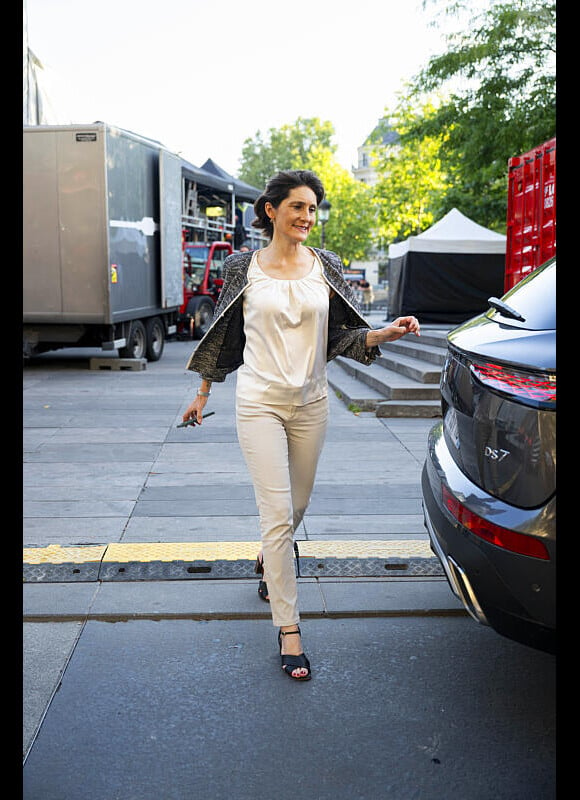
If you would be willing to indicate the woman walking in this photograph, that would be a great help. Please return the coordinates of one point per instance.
(283, 312)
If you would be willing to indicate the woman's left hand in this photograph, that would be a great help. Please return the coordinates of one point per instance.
(394, 330)
(401, 326)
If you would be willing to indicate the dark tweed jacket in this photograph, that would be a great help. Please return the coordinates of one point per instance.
(221, 350)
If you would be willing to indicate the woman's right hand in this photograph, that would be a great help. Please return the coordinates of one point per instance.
(195, 409)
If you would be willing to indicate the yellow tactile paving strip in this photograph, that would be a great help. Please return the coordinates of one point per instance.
(55, 554)
(144, 552)
(356, 548)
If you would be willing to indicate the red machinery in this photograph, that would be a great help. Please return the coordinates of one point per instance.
(202, 282)
(531, 211)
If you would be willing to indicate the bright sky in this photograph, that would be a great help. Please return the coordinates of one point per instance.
(201, 76)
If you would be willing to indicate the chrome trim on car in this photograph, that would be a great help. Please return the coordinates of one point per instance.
(466, 593)
(458, 580)
(439, 552)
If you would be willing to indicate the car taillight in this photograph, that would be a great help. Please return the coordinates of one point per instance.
(495, 534)
(538, 389)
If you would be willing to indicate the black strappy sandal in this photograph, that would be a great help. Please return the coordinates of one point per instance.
(262, 585)
(290, 663)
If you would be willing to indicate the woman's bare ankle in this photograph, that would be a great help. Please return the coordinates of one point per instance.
(291, 644)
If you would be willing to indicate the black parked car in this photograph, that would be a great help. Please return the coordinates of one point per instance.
(489, 479)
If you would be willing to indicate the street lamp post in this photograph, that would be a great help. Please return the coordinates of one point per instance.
(323, 215)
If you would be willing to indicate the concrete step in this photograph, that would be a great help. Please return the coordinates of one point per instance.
(409, 366)
(434, 336)
(392, 384)
(402, 382)
(353, 393)
(408, 399)
(409, 408)
(434, 353)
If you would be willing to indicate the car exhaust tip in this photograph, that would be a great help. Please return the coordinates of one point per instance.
(465, 591)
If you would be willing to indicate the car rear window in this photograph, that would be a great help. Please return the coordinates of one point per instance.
(534, 298)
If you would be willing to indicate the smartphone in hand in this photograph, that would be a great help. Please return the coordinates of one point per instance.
(193, 421)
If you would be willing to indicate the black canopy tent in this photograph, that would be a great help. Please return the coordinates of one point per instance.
(243, 190)
(210, 185)
(446, 273)
(217, 185)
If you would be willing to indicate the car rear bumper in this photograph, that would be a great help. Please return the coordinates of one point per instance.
(512, 593)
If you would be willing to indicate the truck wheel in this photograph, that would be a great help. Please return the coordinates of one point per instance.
(203, 318)
(155, 333)
(200, 309)
(136, 346)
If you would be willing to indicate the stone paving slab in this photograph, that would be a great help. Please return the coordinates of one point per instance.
(84, 453)
(367, 526)
(73, 530)
(198, 528)
(100, 474)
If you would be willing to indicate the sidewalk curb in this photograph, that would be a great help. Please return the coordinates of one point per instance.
(320, 598)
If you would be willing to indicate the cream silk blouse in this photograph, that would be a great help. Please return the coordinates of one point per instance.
(286, 328)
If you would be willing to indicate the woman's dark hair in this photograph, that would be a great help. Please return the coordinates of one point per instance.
(278, 188)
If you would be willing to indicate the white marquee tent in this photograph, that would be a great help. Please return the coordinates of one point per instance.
(446, 273)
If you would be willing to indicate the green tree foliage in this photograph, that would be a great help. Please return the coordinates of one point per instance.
(307, 144)
(498, 76)
(349, 230)
(412, 184)
(287, 147)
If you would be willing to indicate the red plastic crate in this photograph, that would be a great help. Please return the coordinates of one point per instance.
(531, 211)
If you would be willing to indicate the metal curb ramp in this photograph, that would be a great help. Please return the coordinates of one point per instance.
(162, 561)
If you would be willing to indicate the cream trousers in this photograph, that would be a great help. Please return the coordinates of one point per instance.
(281, 446)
